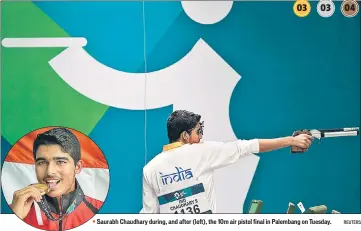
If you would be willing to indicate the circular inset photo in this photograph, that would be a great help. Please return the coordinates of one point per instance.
(55, 178)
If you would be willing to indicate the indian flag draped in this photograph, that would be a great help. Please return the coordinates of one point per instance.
(19, 171)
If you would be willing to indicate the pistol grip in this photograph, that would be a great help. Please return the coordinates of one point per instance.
(295, 149)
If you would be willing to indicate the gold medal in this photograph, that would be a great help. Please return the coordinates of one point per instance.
(301, 8)
(43, 188)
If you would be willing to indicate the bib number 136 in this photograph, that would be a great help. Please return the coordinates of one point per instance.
(189, 209)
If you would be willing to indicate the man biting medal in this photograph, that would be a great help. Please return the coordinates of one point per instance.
(56, 202)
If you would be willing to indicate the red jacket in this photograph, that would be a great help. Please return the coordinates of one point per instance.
(83, 209)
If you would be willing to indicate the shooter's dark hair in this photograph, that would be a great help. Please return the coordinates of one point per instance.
(63, 137)
(180, 121)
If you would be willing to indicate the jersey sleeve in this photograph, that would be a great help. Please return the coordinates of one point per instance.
(150, 200)
(219, 154)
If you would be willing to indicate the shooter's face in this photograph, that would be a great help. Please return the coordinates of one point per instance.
(56, 169)
(196, 134)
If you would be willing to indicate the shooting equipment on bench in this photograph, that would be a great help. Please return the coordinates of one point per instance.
(321, 209)
(255, 207)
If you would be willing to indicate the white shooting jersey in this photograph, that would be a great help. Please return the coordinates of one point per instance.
(180, 180)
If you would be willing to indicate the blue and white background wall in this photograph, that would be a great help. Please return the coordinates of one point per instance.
(116, 70)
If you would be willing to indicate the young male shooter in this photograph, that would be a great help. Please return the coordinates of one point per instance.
(57, 157)
(180, 179)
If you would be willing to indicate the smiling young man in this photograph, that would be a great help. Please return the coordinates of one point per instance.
(63, 206)
(180, 179)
